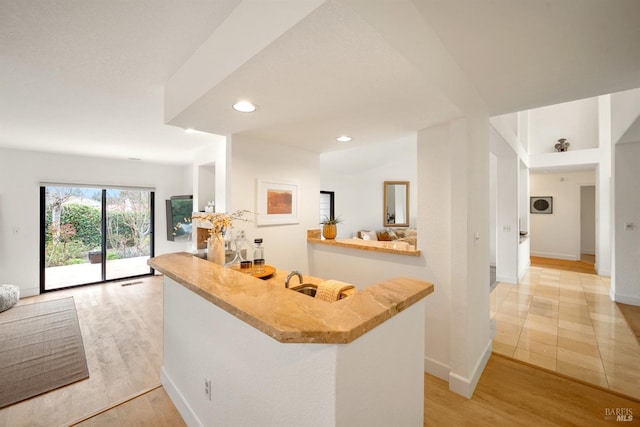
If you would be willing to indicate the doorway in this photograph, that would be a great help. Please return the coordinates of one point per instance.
(91, 235)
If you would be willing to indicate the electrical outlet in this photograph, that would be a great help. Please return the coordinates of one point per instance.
(207, 388)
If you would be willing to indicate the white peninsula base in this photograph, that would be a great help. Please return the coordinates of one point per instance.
(375, 380)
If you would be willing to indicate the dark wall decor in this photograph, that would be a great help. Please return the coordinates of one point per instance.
(541, 205)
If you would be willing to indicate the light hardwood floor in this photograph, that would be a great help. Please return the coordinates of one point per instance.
(122, 334)
(121, 327)
(510, 393)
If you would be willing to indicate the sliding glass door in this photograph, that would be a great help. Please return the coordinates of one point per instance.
(128, 221)
(91, 235)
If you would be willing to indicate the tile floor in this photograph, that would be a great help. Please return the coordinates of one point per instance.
(566, 322)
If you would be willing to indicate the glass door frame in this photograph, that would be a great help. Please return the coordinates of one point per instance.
(103, 224)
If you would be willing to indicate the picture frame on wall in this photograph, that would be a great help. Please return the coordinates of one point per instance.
(541, 205)
(276, 202)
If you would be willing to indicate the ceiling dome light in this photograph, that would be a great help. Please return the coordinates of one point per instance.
(343, 138)
(244, 107)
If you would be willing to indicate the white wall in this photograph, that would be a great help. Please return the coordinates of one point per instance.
(588, 219)
(357, 176)
(285, 245)
(577, 121)
(626, 279)
(21, 173)
(625, 108)
(557, 235)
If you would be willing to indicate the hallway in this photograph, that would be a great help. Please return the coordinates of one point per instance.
(565, 321)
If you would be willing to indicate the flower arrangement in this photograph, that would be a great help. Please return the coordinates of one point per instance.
(220, 221)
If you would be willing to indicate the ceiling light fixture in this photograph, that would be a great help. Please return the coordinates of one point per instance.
(190, 130)
(244, 107)
(343, 138)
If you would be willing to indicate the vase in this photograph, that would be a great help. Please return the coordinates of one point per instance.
(215, 250)
(329, 231)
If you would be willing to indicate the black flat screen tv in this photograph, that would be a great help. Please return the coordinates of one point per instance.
(179, 208)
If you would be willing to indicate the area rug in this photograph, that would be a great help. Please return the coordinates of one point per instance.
(41, 349)
(632, 315)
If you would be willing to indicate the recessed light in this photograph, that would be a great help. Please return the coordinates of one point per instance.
(343, 138)
(190, 130)
(134, 159)
(244, 107)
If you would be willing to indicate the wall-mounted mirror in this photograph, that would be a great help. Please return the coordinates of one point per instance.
(396, 204)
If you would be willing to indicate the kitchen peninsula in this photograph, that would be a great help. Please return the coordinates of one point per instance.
(273, 356)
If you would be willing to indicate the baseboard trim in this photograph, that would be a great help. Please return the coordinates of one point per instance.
(466, 386)
(555, 256)
(29, 292)
(187, 413)
(507, 279)
(437, 369)
(625, 299)
(605, 273)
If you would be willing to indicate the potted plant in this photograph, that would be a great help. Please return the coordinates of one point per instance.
(329, 227)
(95, 256)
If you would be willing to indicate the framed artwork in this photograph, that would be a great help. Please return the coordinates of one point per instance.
(277, 202)
(541, 205)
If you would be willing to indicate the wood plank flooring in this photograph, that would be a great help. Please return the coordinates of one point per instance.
(122, 334)
(585, 265)
(510, 393)
(153, 408)
(122, 331)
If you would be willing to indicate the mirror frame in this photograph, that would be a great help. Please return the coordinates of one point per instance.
(384, 205)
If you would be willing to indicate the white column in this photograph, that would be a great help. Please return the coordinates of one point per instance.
(453, 209)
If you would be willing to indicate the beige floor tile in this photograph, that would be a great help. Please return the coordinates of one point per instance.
(575, 326)
(575, 317)
(542, 337)
(576, 346)
(533, 346)
(613, 331)
(588, 362)
(577, 300)
(566, 321)
(625, 385)
(626, 361)
(514, 309)
(502, 348)
(541, 327)
(508, 338)
(544, 290)
(621, 371)
(546, 307)
(582, 373)
(586, 337)
(609, 349)
(514, 319)
(537, 359)
(613, 317)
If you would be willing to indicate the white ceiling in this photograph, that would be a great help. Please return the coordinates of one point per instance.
(88, 77)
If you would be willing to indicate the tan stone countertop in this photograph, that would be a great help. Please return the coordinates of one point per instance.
(286, 315)
(398, 248)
